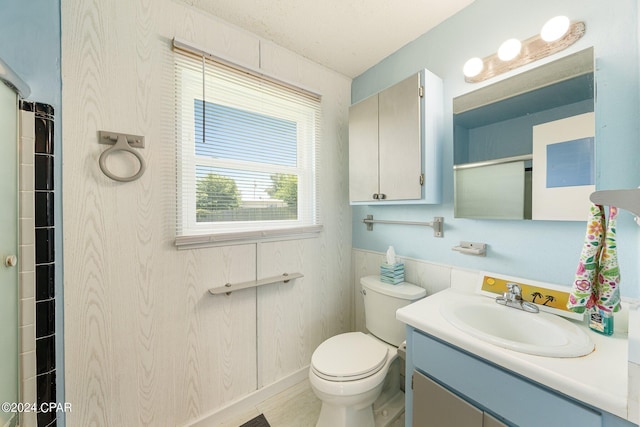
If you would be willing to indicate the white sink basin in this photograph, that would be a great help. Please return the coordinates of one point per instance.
(540, 334)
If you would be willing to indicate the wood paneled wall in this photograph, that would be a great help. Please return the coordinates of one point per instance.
(145, 345)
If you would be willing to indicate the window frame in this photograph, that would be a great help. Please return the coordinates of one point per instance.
(190, 232)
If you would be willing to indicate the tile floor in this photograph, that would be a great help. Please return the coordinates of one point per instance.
(297, 406)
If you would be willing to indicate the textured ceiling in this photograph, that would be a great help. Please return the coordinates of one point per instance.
(348, 36)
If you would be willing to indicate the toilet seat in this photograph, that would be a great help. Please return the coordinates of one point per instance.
(348, 357)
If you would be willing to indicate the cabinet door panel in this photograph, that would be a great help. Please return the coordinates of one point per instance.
(435, 406)
(363, 150)
(399, 135)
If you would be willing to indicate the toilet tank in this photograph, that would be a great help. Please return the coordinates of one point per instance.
(381, 300)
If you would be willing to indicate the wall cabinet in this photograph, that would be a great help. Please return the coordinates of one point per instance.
(452, 383)
(395, 141)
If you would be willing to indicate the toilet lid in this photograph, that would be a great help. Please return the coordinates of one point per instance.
(348, 357)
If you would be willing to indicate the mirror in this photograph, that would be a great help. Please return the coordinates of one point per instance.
(524, 146)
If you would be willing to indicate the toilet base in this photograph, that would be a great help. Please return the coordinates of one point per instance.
(348, 411)
(333, 416)
(378, 415)
(391, 413)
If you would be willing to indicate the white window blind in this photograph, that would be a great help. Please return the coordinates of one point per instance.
(246, 153)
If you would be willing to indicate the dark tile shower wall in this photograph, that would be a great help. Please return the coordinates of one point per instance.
(45, 259)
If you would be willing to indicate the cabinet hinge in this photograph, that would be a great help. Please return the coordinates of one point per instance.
(421, 91)
(421, 179)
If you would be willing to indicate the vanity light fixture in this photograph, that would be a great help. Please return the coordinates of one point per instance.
(557, 34)
(473, 67)
(555, 28)
(509, 49)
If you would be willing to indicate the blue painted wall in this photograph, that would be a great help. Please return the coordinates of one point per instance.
(541, 250)
(30, 44)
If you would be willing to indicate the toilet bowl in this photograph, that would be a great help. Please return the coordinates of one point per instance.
(347, 374)
(348, 371)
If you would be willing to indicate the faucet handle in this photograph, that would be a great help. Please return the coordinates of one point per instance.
(514, 289)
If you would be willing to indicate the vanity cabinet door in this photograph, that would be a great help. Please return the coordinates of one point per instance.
(400, 156)
(435, 406)
(363, 150)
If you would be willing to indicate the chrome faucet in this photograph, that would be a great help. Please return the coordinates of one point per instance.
(513, 298)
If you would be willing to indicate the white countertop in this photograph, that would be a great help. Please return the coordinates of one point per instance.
(598, 379)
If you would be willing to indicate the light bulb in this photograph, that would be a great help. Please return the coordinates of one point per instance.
(509, 49)
(473, 67)
(555, 28)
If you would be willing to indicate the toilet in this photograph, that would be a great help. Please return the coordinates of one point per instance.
(348, 371)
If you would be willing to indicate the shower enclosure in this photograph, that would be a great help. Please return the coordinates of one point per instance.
(10, 86)
(8, 251)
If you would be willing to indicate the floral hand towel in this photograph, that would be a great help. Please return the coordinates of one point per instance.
(609, 272)
(583, 293)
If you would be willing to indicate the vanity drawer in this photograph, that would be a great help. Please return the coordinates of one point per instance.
(489, 387)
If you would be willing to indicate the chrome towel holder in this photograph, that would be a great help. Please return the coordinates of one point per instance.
(121, 142)
(437, 224)
(230, 287)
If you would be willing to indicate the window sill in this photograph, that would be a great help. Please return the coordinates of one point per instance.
(243, 237)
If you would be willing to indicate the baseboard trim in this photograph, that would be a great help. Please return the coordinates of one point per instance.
(249, 401)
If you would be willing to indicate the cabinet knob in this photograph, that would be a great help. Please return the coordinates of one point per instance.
(375, 196)
(11, 261)
(382, 196)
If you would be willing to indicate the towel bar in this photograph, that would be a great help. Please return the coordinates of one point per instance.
(230, 287)
(437, 224)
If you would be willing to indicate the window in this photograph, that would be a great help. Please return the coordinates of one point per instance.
(246, 150)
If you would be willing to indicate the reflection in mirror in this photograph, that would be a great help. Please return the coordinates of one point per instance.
(493, 189)
(502, 170)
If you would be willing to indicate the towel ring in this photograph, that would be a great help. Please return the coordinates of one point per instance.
(121, 145)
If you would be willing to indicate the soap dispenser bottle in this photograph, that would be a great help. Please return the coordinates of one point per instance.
(601, 321)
